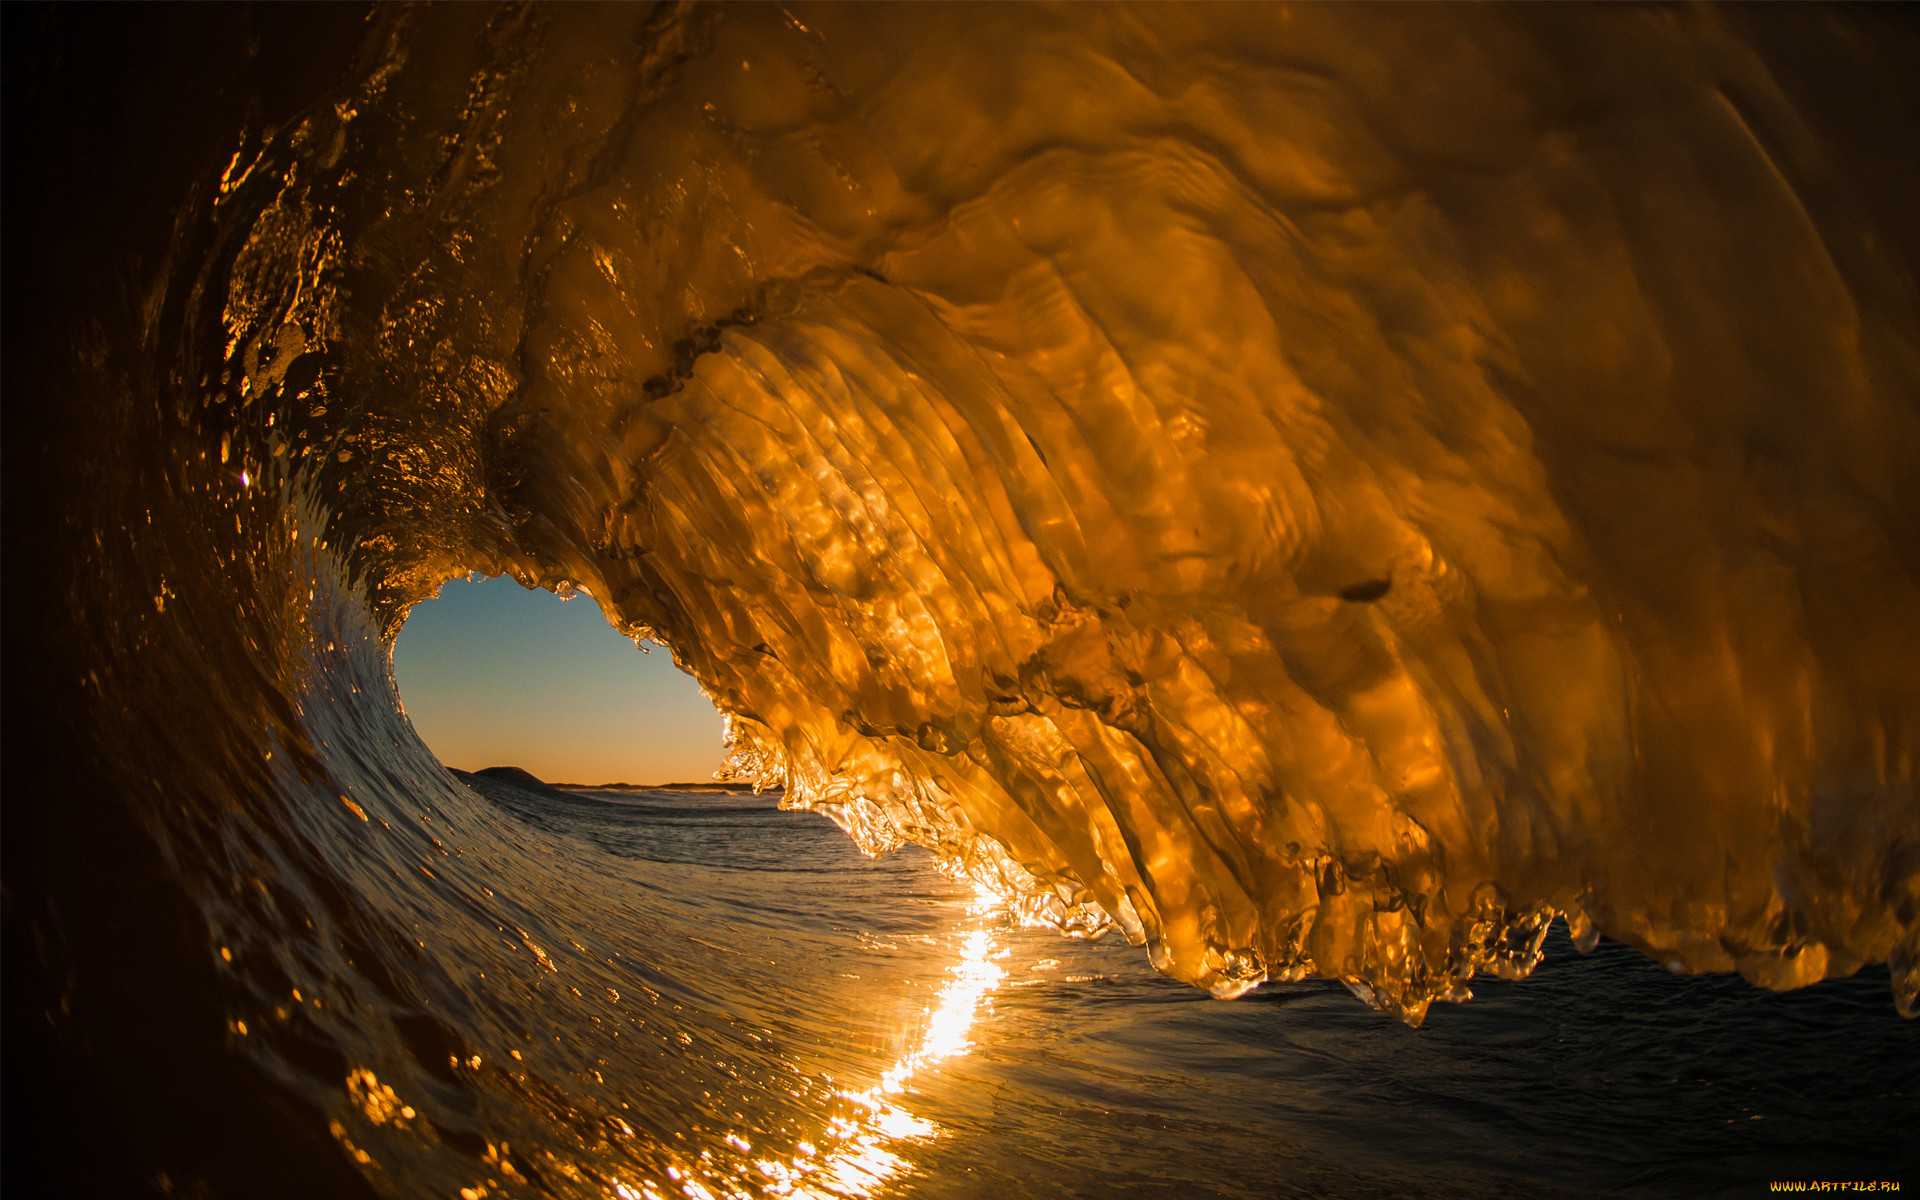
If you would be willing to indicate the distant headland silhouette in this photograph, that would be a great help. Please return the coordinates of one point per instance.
(527, 779)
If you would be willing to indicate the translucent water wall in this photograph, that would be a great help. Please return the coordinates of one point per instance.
(1322, 489)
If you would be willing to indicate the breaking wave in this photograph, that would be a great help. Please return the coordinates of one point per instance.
(1325, 491)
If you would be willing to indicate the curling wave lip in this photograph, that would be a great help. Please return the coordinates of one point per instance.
(1322, 532)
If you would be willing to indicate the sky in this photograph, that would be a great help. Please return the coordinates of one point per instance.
(492, 674)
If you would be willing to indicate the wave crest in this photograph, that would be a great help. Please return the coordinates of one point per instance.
(1326, 491)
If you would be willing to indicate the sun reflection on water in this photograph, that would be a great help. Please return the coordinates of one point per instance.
(854, 1158)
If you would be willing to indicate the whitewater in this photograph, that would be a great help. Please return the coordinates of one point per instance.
(1320, 496)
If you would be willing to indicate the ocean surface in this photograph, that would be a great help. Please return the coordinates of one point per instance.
(792, 1014)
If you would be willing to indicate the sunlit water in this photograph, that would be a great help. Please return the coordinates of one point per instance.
(794, 1018)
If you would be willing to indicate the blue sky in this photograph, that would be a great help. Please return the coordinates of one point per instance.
(493, 674)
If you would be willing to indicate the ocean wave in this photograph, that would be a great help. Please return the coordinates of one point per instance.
(1325, 491)
(1321, 531)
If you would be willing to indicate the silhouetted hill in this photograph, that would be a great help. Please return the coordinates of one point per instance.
(517, 775)
(523, 778)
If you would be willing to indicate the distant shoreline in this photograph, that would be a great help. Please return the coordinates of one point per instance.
(662, 787)
(524, 778)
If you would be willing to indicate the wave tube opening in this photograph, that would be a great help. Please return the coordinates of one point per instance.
(494, 675)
